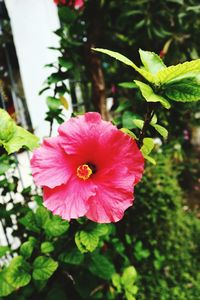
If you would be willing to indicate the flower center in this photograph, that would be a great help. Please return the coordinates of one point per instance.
(84, 171)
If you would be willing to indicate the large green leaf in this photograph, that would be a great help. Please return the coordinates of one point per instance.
(86, 241)
(44, 267)
(150, 96)
(21, 138)
(41, 216)
(151, 61)
(26, 248)
(18, 272)
(72, 256)
(185, 90)
(29, 222)
(5, 287)
(56, 226)
(7, 126)
(129, 276)
(180, 70)
(148, 76)
(101, 266)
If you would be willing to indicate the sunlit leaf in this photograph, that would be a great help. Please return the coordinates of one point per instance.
(151, 61)
(148, 76)
(150, 96)
(44, 267)
(180, 70)
(163, 131)
(21, 138)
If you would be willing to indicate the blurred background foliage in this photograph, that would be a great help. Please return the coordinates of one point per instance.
(153, 253)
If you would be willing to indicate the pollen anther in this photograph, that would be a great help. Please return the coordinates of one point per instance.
(84, 172)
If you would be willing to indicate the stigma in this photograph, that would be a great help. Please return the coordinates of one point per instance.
(84, 172)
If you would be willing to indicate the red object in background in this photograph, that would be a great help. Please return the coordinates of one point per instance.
(162, 54)
(59, 1)
(77, 4)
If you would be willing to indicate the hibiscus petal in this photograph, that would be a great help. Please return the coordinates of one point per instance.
(70, 200)
(109, 204)
(50, 164)
(81, 134)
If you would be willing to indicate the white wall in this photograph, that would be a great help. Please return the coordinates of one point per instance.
(33, 23)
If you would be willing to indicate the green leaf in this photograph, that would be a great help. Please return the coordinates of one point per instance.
(39, 200)
(151, 61)
(163, 132)
(150, 96)
(53, 103)
(180, 70)
(138, 123)
(153, 120)
(127, 119)
(41, 216)
(129, 296)
(7, 126)
(128, 132)
(47, 247)
(29, 222)
(20, 139)
(57, 77)
(148, 76)
(66, 14)
(18, 272)
(86, 241)
(43, 90)
(150, 159)
(5, 287)
(139, 252)
(101, 229)
(116, 281)
(4, 250)
(183, 91)
(64, 62)
(44, 267)
(128, 85)
(148, 145)
(4, 166)
(101, 266)
(72, 256)
(129, 276)
(26, 248)
(56, 226)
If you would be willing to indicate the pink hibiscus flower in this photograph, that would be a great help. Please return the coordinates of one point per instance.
(89, 170)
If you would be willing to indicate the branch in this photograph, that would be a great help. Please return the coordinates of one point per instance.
(151, 107)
